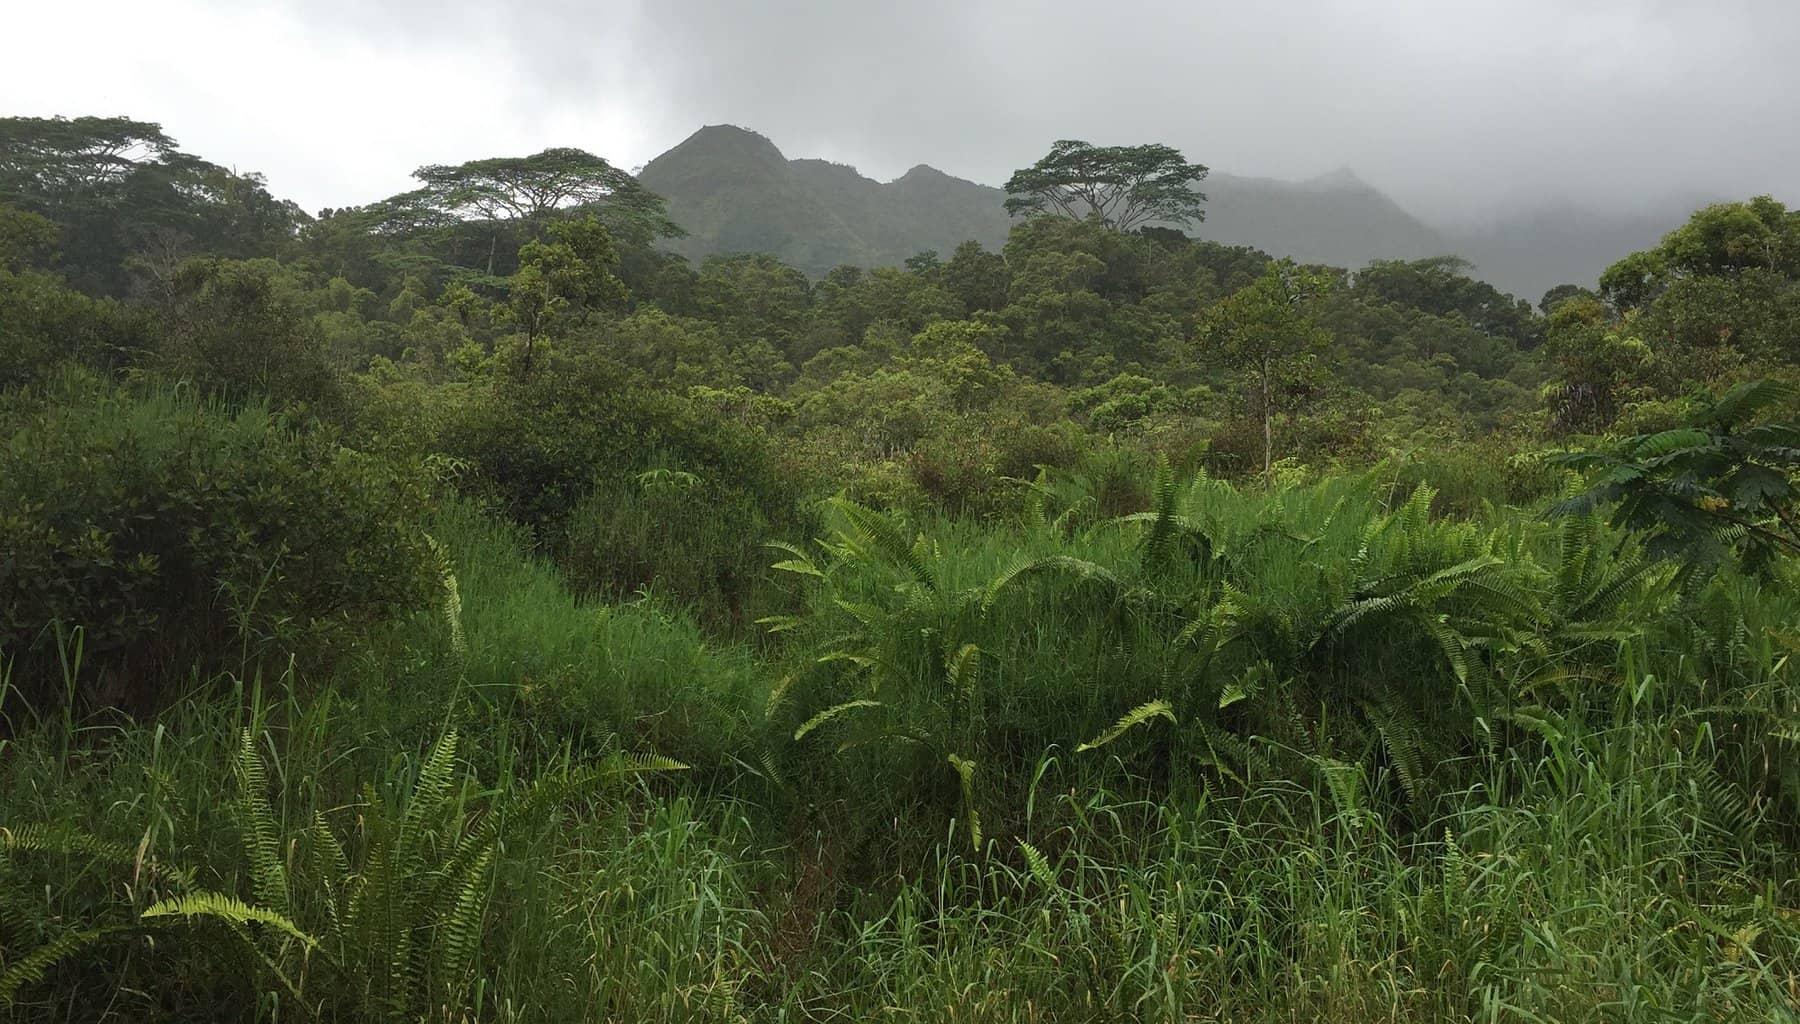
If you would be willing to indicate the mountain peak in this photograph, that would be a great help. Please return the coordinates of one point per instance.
(730, 134)
(1341, 178)
(713, 155)
(922, 172)
(728, 142)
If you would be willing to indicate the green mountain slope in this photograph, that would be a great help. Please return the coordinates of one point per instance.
(1336, 219)
(734, 191)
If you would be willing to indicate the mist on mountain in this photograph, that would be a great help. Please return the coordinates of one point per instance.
(734, 191)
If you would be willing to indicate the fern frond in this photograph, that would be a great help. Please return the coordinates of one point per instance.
(69, 841)
(1081, 569)
(1669, 442)
(778, 695)
(964, 673)
(1403, 737)
(832, 712)
(35, 965)
(875, 535)
(1144, 713)
(256, 823)
(801, 563)
(230, 909)
(1747, 399)
(38, 838)
(1453, 645)
(432, 785)
(1344, 780)
(452, 601)
(965, 773)
(1162, 527)
(331, 865)
(1727, 804)
(1039, 867)
(460, 929)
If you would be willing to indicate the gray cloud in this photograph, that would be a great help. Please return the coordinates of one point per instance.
(1461, 109)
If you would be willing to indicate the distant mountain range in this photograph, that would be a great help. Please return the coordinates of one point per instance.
(734, 191)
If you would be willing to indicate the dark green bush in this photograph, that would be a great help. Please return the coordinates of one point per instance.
(178, 535)
(628, 488)
(534, 448)
(232, 333)
(692, 540)
(43, 324)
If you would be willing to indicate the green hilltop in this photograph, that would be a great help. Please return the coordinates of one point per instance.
(734, 191)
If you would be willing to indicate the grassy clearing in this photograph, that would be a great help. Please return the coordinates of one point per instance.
(1304, 754)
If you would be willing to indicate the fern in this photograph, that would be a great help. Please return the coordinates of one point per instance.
(37, 838)
(965, 774)
(1081, 569)
(1162, 526)
(1403, 737)
(875, 536)
(331, 867)
(68, 841)
(800, 563)
(256, 823)
(235, 914)
(230, 909)
(1143, 714)
(460, 929)
(452, 600)
(831, 713)
(34, 966)
(964, 675)
(1344, 780)
(1749, 398)
(1669, 442)
(1039, 866)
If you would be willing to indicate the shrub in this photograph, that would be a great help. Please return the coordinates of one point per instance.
(232, 332)
(43, 323)
(178, 534)
(535, 448)
(676, 534)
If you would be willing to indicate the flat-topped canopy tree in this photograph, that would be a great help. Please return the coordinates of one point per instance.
(57, 156)
(529, 188)
(1125, 187)
(124, 198)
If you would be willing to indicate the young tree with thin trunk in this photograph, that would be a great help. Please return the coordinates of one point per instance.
(1266, 332)
(565, 277)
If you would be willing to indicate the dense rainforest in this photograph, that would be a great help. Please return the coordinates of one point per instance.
(461, 607)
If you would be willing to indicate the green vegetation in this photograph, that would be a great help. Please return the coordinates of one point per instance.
(461, 608)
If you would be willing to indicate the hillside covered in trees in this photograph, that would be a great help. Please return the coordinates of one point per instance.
(732, 191)
(468, 606)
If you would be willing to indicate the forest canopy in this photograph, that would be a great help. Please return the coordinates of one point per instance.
(462, 607)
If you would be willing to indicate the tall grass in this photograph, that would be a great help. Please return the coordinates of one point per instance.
(1468, 768)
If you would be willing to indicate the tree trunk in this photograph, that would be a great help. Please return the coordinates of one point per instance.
(1268, 428)
(493, 243)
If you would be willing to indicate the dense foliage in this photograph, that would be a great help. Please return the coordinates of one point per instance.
(177, 534)
(461, 608)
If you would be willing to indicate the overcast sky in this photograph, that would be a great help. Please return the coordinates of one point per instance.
(1458, 108)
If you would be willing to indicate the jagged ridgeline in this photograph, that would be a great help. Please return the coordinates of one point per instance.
(734, 191)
